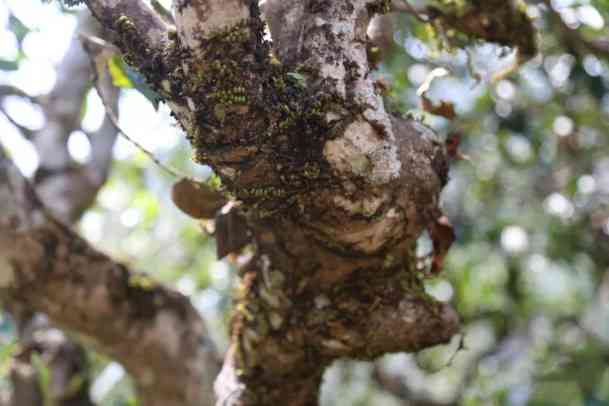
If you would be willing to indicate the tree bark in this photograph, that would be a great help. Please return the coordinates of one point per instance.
(153, 331)
(334, 189)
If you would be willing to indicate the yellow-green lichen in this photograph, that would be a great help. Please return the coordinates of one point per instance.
(142, 281)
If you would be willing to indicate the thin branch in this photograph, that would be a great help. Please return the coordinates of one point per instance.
(406, 7)
(8, 90)
(110, 109)
(25, 131)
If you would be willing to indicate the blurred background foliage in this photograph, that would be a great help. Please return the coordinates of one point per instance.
(529, 200)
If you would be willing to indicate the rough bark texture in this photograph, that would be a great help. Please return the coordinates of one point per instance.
(67, 190)
(154, 332)
(335, 191)
(65, 359)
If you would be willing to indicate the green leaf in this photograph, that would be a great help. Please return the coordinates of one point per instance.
(120, 78)
(7, 65)
(44, 377)
(300, 79)
(6, 355)
(139, 83)
(18, 28)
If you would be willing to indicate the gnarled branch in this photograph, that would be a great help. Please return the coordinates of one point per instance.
(153, 331)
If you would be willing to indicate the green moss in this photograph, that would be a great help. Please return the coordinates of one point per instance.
(312, 170)
(124, 23)
(142, 281)
(240, 97)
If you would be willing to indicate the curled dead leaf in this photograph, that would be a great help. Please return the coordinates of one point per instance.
(442, 236)
(232, 233)
(197, 199)
(444, 109)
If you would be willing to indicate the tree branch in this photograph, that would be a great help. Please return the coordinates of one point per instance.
(69, 375)
(138, 28)
(65, 187)
(153, 331)
(575, 39)
(68, 189)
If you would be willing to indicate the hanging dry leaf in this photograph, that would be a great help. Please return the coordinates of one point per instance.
(444, 109)
(442, 235)
(453, 142)
(197, 199)
(232, 233)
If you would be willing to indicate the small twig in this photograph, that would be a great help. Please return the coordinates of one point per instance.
(149, 154)
(8, 90)
(406, 7)
(163, 12)
(94, 47)
(27, 133)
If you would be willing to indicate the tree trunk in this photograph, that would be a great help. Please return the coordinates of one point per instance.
(334, 190)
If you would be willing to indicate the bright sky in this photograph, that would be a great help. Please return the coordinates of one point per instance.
(43, 48)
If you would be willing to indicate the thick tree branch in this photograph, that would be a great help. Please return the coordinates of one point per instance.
(284, 335)
(153, 331)
(67, 189)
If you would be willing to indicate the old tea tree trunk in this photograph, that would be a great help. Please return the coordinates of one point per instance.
(334, 189)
